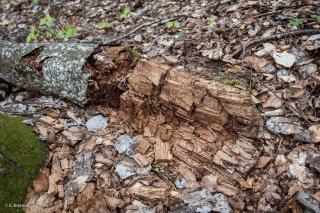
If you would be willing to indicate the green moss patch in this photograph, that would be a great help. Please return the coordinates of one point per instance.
(21, 156)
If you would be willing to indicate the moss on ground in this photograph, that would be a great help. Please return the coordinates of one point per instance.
(21, 156)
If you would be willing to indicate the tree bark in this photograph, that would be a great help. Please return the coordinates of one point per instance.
(67, 70)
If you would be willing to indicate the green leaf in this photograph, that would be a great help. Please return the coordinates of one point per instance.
(125, 13)
(170, 24)
(71, 32)
(103, 25)
(316, 17)
(48, 20)
(297, 22)
(60, 34)
(43, 21)
(32, 36)
(35, 1)
(212, 21)
(176, 24)
(49, 34)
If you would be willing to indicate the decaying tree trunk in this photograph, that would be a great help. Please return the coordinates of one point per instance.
(206, 127)
(77, 72)
(200, 129)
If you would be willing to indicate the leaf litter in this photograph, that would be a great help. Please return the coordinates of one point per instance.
(98, 162)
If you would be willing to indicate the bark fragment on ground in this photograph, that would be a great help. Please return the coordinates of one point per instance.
(81, 73)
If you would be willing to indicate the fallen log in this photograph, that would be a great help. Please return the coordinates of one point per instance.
(191, 128)
(81, 73)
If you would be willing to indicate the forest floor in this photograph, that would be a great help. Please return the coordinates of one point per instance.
(267, 48)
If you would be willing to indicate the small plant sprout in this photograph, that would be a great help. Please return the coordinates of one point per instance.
(35, 1)
(316, 17)
(60, 34)
(173, 25)
(49, 33)
(71, 31)
(33, 35)
(126, 12)
(154, 6)
(48, 21)
(103, 25)
(297, 22)
(212, 21)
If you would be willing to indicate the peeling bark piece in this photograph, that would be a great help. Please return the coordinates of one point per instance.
(140, 159)
(240, 156)
(74, 133)
(263, 161)
(81, 73)
(214, 184)
(62, 72)
(143, 145)
(204, 201)
(162, 151)
(147, 193)
(187, 174)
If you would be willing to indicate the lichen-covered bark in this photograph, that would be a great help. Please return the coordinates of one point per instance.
(59, 68)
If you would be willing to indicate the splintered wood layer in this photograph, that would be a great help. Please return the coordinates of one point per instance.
(203, 126)
(108, 67)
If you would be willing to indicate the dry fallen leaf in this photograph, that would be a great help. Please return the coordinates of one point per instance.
(285, 59)
(41, 183)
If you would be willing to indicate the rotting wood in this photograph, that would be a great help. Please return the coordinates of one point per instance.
(210, 127)
(188, 127)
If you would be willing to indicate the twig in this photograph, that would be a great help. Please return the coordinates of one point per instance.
(275, 37)
(286, 103)
(140, 13)
(265, 14)
(142, 26)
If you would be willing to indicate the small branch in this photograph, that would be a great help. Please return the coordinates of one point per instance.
(274, 37)
(158, 22)
(294, 110)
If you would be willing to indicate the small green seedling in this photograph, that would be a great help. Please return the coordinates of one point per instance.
(212, 21)
(49, 33)
(126, 12)
(103, 25)
(297, 22)
(60, 34)
(316, 17)
(173, 25)
(35, 1)
(33, 35)
(71, 31)
(154, 6)
(48, 21)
